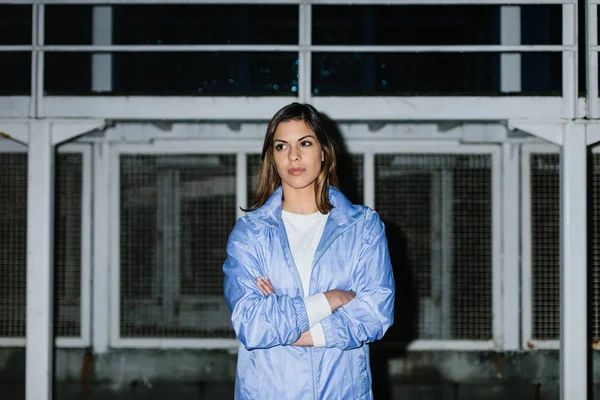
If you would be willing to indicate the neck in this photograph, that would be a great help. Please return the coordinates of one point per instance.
(300, 201)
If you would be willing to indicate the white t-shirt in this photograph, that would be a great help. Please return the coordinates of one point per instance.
(304, 233)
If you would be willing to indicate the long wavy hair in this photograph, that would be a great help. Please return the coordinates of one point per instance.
(268, 178)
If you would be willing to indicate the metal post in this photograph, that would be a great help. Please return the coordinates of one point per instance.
(305, 56)
(37, 60)
(573, 264)
(591, 30)
(101, 261)
(241, 184)
(510, 34)
(102, 36)
(40, 274)
(570, 68)
(510, 247)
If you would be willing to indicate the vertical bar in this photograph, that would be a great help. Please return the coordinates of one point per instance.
(447, 229)
(510, 247)
(113, 187)
(37, 60)
(496, 198)
(526, 279)
(86, 244)
(591, 30)
(40, 274)
(101, 249)
(241, 183)
(510, 34)
(305, 55)
(102, 36)
(369, 179)
(433, 321)
(168, 242)
(573, 264)
(570, 78)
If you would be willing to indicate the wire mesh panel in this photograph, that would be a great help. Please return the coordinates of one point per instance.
(67, 243)
(13, 244)
(594, 241)
(13, 241)
(545, 245)
(437, 209)
(350, 173)
(176, 213)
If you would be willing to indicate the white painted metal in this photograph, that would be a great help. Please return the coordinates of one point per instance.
(456, 345)
(527, 341)
(368, 178)
(37, 60)
(241, 183)
(497, 266)
(101, 249)
(591, 26)
(550, 131)
(331, 2)
(573, 264)
(570, 87)
(510, 34)
(40, 275)
(158, 343)
(337, 108)
(102, 36)
(305, 55)
(303, 47)
(511, 229)
(114, 266)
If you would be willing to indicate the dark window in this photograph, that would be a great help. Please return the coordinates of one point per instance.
(15, 24)
(230, 24)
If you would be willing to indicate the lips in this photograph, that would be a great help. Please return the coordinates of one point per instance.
(296, 171)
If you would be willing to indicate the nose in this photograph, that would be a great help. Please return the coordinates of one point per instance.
(294, 154)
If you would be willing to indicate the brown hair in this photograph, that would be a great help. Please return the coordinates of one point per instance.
(268, 178)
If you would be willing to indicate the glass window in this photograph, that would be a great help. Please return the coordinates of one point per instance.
(207, 24)
(15, 24)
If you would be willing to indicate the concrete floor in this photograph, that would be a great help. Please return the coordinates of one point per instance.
(224, 391)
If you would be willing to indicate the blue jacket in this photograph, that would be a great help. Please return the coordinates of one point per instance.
(352, 255)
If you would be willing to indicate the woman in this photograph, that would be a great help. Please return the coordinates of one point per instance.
(307, 277)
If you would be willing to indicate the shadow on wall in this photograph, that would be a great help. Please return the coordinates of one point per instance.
(394, 343)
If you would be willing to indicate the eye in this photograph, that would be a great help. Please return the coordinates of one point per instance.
(279, 146)
(306, 143)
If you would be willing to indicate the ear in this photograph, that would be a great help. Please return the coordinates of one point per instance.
(322, 156)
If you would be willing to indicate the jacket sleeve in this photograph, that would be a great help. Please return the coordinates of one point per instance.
(259, 321)
(367, 317)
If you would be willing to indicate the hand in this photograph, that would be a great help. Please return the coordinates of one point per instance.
(339, 298)
(265, 286)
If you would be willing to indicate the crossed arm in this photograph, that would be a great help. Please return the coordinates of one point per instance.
(263, 319)
(336, 299)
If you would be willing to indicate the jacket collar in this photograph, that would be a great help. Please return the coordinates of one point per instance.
(344, 213)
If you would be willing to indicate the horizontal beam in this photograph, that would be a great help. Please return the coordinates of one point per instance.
(296, 48)
(324, 2)
(262, 108)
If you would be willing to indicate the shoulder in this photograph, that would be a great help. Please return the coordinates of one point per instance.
(372, 226)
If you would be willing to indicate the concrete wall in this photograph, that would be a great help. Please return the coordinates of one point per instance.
(420, 375)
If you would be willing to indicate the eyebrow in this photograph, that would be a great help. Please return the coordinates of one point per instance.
(302, 138)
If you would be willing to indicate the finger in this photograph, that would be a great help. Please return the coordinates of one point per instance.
(261, 286)
(269, 284)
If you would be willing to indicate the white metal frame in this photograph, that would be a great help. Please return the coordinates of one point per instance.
(240, 147)
(526, 249)
(9, 146)
(339, 108)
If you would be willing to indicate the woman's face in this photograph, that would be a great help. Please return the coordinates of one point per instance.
(297, 154)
